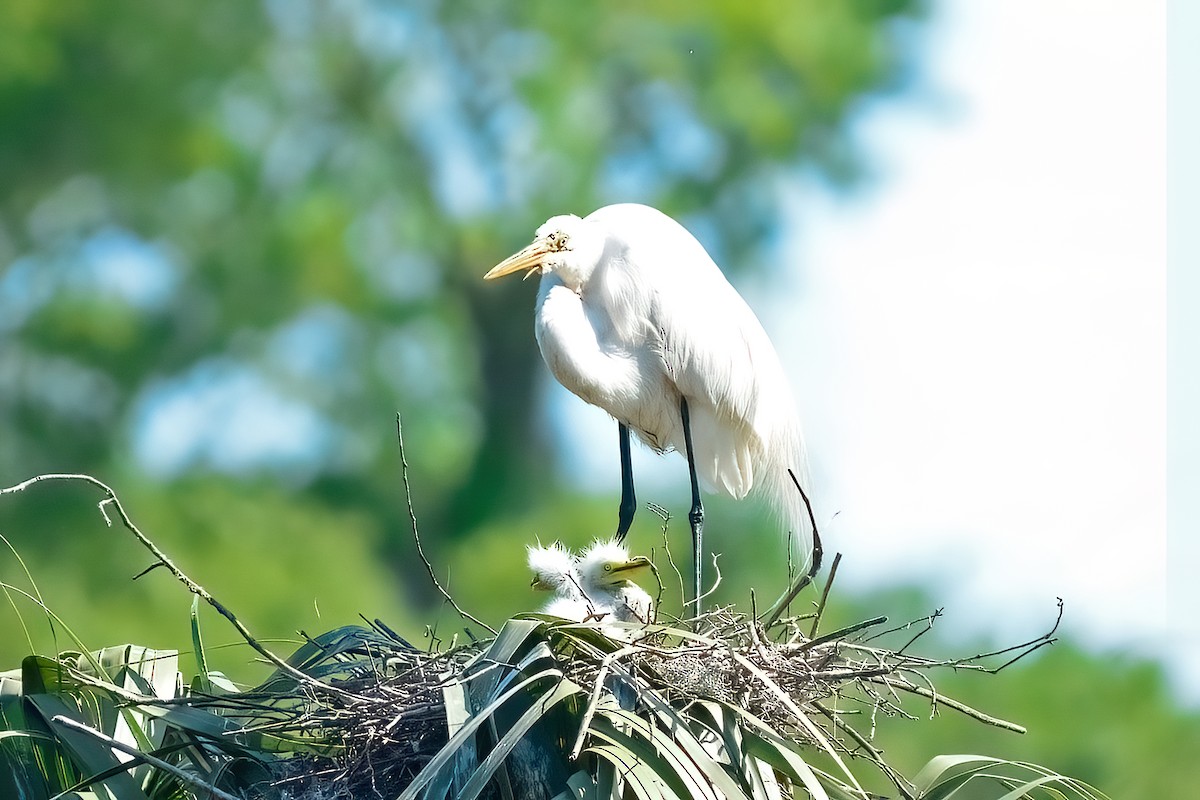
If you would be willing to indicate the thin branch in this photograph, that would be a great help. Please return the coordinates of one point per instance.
(1025, 648)
(837, 559)
(785, 600)
(412, 517)
(712, 589)
(876, 756)
(111, 499)
(662, 513)
(962, 708)
(928, 620)
(840, 633)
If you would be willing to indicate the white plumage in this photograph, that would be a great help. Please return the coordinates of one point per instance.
(604, 569)
(594, 585)
(633, 316)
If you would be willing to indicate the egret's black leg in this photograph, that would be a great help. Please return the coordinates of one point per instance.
(628, 501)
(696, 515)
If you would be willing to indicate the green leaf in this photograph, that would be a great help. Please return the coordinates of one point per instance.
(637, 774)
(944, 776)
(448, 752)
(90, 756)
(513, 737)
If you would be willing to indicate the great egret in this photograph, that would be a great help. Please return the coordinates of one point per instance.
(633, 316)
(594, 585)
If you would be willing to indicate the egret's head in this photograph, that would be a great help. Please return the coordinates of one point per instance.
(551, 566)
(608, 565)
(566, 246)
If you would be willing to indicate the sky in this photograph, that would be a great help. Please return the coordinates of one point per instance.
(984, 333)
(978, 340)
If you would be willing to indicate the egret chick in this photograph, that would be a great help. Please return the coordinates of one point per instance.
(554, 571)
(605, 570)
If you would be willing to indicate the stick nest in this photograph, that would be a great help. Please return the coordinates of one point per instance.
(391, 720)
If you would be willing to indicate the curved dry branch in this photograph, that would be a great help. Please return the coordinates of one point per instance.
(412, 517)
(161, 558)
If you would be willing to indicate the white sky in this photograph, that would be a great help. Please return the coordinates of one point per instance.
(978, 341)
(983, 356)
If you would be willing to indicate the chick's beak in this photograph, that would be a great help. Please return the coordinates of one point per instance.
(529, 258)
(632, 565)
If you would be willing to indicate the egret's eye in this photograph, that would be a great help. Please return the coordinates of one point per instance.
(608, 567)
(558, 240)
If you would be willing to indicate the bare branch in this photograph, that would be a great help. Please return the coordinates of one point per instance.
(110, 499)
(412, 517)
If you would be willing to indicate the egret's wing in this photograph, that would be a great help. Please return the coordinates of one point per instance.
(665, 292)
(712, 364)
(708, 340)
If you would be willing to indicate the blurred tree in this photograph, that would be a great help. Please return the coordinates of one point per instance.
(236, 240)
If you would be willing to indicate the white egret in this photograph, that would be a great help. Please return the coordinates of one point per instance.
(633, 316)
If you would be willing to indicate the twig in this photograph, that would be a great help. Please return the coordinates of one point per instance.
(840, 633)
(412, 517)
(193, 587)
(962, 708)
(712, 589)
(928, 620)
(817, 553)
(665, 516)
(928, 627)
(877, 757)
(1026, 648)
(837, 559)
(157, 763)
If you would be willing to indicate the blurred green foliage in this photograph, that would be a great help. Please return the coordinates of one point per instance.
(235, 240)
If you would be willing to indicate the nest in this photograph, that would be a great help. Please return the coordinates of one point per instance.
(723, 704)
(391, 720)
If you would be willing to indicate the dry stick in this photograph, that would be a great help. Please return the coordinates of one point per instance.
(928, 627)
(840, 633)
(412, 517)
(665, 516)
(179, 574)
(817, 552)
(877, 757)
(1026, 647)
(157, 763)
(712, 589)
(962, 708)
(837, 559)
(928, 620)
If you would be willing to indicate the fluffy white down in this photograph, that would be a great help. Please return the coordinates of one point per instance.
(612, 593)
(552, 565)
(636, 316)
(585, 587)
